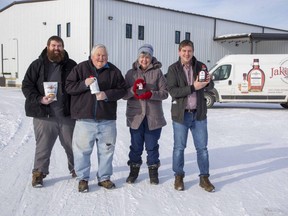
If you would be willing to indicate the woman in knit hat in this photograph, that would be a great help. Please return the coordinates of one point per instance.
(147, 88)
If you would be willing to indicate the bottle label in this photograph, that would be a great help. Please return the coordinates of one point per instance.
(244, 86)
(202, 76)
(256, 78)
(94, 87)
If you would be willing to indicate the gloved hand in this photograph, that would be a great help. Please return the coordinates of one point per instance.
(147, 95)
(137, 83)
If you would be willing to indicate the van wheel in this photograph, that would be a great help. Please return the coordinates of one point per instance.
(284, 105)
(209, 99)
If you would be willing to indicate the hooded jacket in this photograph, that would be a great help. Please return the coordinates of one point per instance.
(84, 105)
(179, 90)
(33, 88)
(151, 108)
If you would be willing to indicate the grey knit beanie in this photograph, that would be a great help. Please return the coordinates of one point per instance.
(146, 48)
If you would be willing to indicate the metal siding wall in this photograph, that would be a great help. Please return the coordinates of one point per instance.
(25, 23)
(226, 27)
(272, 47)
(77, 13)
(160, 26)
(266, 30)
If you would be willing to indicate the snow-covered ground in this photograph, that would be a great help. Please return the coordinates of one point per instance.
(248, 146)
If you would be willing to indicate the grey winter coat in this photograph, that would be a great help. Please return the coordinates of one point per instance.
(151, 108)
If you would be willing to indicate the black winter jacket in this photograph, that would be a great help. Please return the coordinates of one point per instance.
(33, 89)
(179, 90)
(83, 103)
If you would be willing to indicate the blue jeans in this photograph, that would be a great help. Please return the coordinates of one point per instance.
(86, 132)
(150, 138)
(200, 139)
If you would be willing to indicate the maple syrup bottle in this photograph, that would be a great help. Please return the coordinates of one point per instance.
(256, 78)
(244, 84)
(202, 76)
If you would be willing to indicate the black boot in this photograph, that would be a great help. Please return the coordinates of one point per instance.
(153, 174)
(134, 172)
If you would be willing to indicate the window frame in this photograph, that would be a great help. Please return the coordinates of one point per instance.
(187, 35)
(59, 30)
(128, 31)
(68, 29)
(141, 32)
(177, 37)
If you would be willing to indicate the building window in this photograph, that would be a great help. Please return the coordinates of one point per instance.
(177, 37)
(140, 32)
(128, 30)
(59, 30)
(68, 29)
(187, 36)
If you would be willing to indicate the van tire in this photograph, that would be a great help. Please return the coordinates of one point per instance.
(210, 100)
(284, 105)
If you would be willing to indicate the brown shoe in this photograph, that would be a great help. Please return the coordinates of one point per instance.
(179, 184)
(73, 174)
(37, 179)
(107, 184)
(206, 184)
(83, 186)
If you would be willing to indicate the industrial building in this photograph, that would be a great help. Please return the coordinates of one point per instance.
(123, 26)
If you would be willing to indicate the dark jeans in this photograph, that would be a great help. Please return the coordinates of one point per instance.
(150, 138)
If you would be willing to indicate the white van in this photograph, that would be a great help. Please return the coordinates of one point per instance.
(250, 78)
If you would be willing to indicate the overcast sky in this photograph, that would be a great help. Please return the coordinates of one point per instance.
(270, 13)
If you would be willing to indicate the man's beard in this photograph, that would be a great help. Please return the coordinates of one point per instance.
(55, 57)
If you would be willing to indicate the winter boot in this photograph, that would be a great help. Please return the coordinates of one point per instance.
(153, 174)
(83, 186)
(134, 172)
(179, 184)
(37, 179)
(107, 184)
(206, 184)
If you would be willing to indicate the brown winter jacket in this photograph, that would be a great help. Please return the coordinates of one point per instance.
(151, 108)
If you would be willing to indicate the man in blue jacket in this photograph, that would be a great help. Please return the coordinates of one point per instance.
(48, 103)
(189, 112)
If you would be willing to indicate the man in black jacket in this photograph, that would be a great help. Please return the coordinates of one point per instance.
(49, 104)
(189, 112)
(95, 112)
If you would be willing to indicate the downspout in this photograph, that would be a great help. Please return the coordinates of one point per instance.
(251, 48)
(252, 43)
(91, 43)
(215, 27)
(2, 60)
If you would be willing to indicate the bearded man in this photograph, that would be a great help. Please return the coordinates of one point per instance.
(49, 104)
